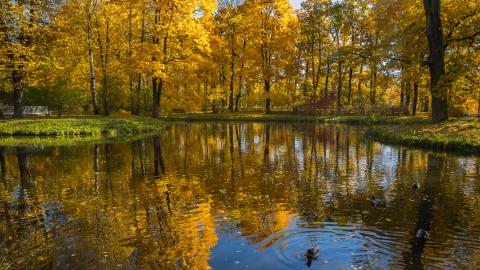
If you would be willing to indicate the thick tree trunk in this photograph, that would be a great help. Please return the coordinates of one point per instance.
(415, 98)
(267, 96)
(439, 84)
(157, 85)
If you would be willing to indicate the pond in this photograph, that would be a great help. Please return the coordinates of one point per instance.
(238, 196)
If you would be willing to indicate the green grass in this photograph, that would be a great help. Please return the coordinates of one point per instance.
(18, 141)
(78, 126)
(286, 117)
(460, 135)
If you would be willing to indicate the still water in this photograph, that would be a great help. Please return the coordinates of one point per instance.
(238, 196)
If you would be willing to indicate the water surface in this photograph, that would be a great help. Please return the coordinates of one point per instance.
(237, 196)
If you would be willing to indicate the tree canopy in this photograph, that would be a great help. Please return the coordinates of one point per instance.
(153, 56)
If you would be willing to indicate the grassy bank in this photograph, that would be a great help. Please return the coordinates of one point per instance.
(78, 126)
(286, 117)
(460, 135)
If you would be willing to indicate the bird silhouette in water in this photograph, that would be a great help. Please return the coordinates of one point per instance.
(377, 202)
(416, 185)
(311, 254)
(422, 234)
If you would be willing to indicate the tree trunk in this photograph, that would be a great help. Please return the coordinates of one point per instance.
(133, 101)
(415, 98)
(373, 85)
(350, 86)
(408, 92)
(340, 86)
(402, 98)
(426, 105)
(359, 87)
(232, 76)
(157, 85)
(439, 84)
(237, 101)
(305, 84)
(267, 96)
(93, 89)
(478, 107)
(104, 65)
(17, 79)
(325, 89)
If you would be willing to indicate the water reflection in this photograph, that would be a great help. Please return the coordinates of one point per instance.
(237, 196)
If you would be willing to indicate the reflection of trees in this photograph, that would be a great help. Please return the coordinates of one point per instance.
(246, 178)
(158, 158)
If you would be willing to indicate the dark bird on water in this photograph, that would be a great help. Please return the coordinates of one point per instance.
(416, 185)
(377, 202)
(422, 234)
(311, 254)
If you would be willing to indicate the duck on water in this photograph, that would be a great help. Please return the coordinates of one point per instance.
(311, 254)
(377, 202)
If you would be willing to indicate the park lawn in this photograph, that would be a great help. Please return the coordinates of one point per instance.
(291, 117)
(79, 126)
(457, 134)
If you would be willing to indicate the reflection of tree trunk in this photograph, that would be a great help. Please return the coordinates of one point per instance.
(230, 136)
(142, 157)
(425, 213)
(267, 142)
(23, 164)
(3, 164)
(337, 151)
(24, 178)
(108, 171)
(347, 151)
(158, 158)
(96, 165)
(239, 142)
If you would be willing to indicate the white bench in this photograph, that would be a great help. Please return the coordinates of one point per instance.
(7, 111)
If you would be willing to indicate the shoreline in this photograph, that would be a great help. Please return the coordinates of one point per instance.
(456, 135)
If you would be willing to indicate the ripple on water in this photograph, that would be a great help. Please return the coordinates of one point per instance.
(341, 246)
